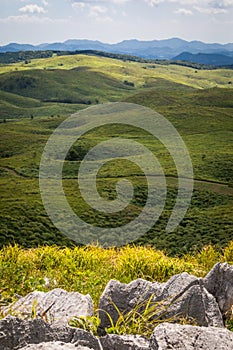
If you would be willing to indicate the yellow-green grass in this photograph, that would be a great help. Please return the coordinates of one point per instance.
(136, 72)
(88, 269)
(209, 219)
(202, 117)
(64, 84)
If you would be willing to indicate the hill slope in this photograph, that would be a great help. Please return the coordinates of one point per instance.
(201, 112)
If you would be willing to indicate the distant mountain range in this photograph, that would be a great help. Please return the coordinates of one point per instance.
(206, 58)
(175, 48)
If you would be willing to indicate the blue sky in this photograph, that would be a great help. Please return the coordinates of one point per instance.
(37, 21)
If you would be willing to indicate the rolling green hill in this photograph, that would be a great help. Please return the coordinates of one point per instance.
(36, 97)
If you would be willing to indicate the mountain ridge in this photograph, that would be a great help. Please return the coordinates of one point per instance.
(216, 59)
(153, 49)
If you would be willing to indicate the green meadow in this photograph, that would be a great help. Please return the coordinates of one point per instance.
(36, 97)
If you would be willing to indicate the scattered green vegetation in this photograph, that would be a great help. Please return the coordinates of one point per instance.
(142, 319)
(37, 95)
(88, 269)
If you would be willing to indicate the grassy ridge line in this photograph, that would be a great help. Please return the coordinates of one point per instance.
(88, 270)
(122, 70)
(65, 84)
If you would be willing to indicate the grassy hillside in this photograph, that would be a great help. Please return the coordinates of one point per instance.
(64, 84)
(88, 269)
(44, 91)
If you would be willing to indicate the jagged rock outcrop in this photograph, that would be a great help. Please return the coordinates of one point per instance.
(183, 295)
(16, 334)
(169, 336)
(219, 282)
(56, 306)
(55, 346)
(124, 342)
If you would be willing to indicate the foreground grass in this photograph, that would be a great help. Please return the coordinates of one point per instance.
(88, 269)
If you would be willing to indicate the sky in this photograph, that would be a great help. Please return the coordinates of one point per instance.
(111, 21)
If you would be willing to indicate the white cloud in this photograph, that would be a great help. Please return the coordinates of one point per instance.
(208, 3)
(97, 10)
(99, 13)
(183, 11)
(31, 19)
(32, 8)
(153, 3)
(44, 2)
(210, 10)
(78, 5)
(203, 6)
(181, 2)
(119, 1)
(221, 3)
(91, 2)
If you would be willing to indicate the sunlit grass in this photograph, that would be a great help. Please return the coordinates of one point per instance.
(133, 71)
(88, 269)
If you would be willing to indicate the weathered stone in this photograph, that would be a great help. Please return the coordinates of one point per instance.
(169, 336)
(125, 342)
(86, 339)
(219, 282)
(125, 297)
(54, 346)
(178, 284)
(196, 304)
(16, 334)
(56, 306)
(182, 296)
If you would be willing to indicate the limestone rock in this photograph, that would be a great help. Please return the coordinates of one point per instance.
(54, 346)
(198, 305)
(56, 306)
(182, 296)
(219, 282)
(178, 284)
(125, 297)
(16, 334)
(169, 336)
(125, 342)
(85, 339)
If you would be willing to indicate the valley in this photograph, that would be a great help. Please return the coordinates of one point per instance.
(36, 96)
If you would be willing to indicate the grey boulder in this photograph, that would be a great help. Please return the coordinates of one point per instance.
(56, 306)
(16, 334)
(183, 295)
(219, 282)
(124, 342)
(169, 336)
(54, 346)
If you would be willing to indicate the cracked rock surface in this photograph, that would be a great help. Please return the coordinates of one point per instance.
(56, 306)
(16, 334)
(219, 282)
(169, 336)
(183, 295)
(54, 346)
(206, 300)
